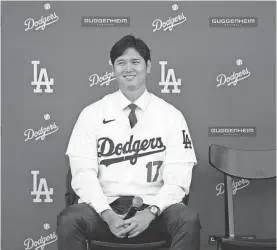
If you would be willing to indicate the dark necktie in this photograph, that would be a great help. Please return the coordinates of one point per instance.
(132, 116)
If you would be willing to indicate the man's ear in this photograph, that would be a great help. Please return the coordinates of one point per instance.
(110, 62)
(148, 66)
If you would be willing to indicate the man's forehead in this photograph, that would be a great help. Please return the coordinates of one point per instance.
(130, 54)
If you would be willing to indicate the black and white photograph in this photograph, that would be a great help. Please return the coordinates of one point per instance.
(145, 125)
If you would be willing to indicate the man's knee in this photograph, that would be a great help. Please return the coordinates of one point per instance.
(67, 218)
(181, 215)
(71, 217)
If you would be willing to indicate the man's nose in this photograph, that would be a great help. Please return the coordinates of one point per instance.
(129, 67)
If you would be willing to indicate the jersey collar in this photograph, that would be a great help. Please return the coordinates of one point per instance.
(141, 102)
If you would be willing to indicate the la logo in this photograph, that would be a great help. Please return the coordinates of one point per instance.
(186, 140)
(41, 188)
(166, 79)
(38, 80)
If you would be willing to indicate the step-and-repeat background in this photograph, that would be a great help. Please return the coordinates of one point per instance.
(215, 61)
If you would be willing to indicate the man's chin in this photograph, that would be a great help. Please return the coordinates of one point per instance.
(132, 87)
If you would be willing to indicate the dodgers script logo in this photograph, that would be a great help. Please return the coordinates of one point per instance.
(41, 189)
(38, 80)
(41, 133)
(236, 185)
(234, 78)
(107, 147)
(32, 24)
(42, 242)
(169, 24)
(169, 79)
(102, 80)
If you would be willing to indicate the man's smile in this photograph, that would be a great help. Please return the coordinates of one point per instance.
(129, 77)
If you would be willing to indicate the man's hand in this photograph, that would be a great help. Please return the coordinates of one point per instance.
(137, 224)
(114, 221)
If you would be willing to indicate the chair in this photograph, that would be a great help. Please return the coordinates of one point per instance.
(247, 164)
(72, 198)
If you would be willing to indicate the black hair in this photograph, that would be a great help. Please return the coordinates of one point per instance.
(130, 41)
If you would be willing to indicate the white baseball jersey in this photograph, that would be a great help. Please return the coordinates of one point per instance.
(157, 152)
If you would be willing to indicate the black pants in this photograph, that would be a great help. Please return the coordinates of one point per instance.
(79, 222)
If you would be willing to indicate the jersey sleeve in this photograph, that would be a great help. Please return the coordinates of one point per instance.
(179, 144)
(179, 161)
(82, 152)
(83, 141)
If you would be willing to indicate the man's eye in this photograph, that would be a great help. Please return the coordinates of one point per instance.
(136, 62)
(120, 63)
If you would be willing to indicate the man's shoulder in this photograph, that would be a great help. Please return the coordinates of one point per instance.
(160, 104)
(99, 105)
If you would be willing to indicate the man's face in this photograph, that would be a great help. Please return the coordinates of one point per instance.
(131, 70)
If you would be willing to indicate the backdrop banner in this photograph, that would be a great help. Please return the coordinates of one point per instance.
(214, 61)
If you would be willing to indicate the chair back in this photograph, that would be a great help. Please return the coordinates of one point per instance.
(248, 164)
